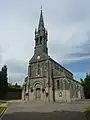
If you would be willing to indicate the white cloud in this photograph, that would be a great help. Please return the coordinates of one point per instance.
(74, 59)
(16, 78)
(17, 70)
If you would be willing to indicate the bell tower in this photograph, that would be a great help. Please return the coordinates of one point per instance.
(41, 37)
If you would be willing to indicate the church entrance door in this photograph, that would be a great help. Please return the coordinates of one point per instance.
(38, 94)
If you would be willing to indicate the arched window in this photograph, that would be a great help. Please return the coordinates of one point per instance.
(40, 39)
(58, 85)
(38, 69)
(61, 84)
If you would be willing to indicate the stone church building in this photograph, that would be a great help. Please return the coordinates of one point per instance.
(47, 80)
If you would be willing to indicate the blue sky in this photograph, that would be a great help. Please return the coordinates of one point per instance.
(79, 68)
(68, 25)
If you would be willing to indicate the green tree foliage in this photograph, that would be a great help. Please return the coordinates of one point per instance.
(14, 86)
(86, 85)
(17, 86)
(3, 81)
(9, 84)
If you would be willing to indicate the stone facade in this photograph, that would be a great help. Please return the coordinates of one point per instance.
(47, 80)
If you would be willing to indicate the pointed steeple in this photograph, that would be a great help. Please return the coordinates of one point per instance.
(41, 37)
(41, 21)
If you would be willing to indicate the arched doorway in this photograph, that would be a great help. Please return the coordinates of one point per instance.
(37, 87)
(38, 94)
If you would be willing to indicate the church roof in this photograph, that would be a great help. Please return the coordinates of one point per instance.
(60, 65)
(77, 81)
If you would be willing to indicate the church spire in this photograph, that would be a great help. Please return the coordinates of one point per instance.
(41, 21)
(41, 37)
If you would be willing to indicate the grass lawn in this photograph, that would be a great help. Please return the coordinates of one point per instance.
(1, 109)
(87, 112)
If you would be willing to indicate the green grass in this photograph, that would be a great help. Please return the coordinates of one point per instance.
(88, 109)
(87, 112)
(1, 109)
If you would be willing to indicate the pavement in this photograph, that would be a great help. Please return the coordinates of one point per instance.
(36, 111)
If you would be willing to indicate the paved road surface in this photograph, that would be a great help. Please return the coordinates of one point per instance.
(36, 111)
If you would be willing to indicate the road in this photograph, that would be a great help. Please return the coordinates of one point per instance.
(39, 111)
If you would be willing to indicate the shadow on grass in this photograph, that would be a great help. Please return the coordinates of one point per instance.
(56, 115)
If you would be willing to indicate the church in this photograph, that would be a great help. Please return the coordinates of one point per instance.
(47, 80)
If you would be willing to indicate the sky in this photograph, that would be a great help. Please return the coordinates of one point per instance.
(68, 25)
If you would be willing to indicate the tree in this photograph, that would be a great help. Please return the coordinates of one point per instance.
(3, 81)
(86, 85)
(82, 81)
(16, 85)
